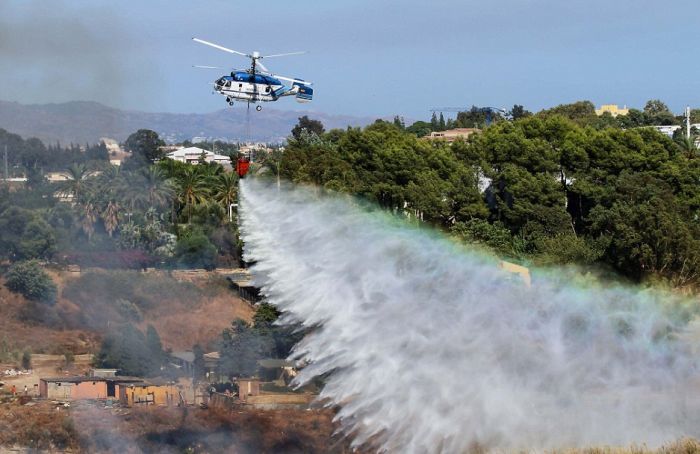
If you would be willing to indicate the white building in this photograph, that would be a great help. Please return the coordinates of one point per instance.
(192, 155)
(668, 130)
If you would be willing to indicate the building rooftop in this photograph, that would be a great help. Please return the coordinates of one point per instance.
(194, 153)
(82, 378)
(275, 363)
(184, 356)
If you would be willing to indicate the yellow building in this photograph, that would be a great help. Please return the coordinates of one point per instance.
(520, 271)
(148, 393)
(612, 109)
(451, 135)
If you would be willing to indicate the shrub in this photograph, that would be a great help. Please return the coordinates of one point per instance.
(37, 241)
(26, 360)
(31, 281)
(196, 251)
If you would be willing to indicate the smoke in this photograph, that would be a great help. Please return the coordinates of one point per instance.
(63, 52)
(432, 348)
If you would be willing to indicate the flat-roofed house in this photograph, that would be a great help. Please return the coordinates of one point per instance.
(148, 392)
(81, 388)
(451, 135)
(192, 155)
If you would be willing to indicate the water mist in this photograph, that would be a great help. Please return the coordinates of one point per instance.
(428, 347)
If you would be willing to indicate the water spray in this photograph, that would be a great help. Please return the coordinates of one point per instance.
(426, 346)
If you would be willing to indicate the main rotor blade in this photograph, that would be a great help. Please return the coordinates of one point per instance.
(261, 66)
(216, 46)
(206, 67)
(283, 55)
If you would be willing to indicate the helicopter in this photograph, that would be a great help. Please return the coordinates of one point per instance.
(257, 84)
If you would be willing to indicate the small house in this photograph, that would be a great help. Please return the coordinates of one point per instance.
(81, 388)
(153, 392)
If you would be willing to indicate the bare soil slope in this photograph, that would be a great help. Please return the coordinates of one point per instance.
(89, 303)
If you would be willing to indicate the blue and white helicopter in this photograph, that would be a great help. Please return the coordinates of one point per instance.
(257, 84)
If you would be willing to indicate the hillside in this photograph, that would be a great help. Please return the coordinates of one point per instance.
(87, 122)
(183, 313)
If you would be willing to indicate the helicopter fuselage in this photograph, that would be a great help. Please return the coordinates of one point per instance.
(244, 86)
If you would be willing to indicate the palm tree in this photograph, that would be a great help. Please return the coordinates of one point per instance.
(77, 181)
(193, 189)
(159, 190)
(89, 219)
(226, 190)
(110, 217)
(688, 146)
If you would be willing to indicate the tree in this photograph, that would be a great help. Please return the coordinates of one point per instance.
(155, 347)
(434, 124)
(518, 112)
(687, 146)
(420, 128)
(655, 107)
(145, 144)
(241, 348)
(193, 188)
(226, 189)
(110, 217)
(474, 118)
(441, 124)
(77, 181)
(195, 250)
(129, 351)
(89, 217)
(657, 113)
(265, 315)
(308, 125)
(198, 363)
(13, 222)
(97, 153)
(581, 112)
(159, 189)
(37, 241)
(31, 281)
(26, 360)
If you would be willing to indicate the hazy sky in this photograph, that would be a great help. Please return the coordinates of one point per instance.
(366, 57)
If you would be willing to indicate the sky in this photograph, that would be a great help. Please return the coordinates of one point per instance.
(365, 57)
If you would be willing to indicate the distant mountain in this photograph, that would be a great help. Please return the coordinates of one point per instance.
(87, 122)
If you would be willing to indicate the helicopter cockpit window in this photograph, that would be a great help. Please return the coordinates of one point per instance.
(220, 81)
(241, 77)
(228, 84)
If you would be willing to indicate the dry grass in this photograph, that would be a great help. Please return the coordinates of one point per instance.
(38, 427)
(684, 446)
(20, 335)
(183, 313)
(89, 427)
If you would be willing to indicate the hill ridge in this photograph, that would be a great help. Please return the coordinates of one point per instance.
(88, 121)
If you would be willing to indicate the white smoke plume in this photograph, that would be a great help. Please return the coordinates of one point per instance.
(428, 347)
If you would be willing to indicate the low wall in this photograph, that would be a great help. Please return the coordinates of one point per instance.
(39, 359)
(267, 401)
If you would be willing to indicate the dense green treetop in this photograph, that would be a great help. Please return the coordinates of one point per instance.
(145, 144)
(562, 186)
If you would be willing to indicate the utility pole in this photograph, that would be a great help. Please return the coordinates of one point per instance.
(6, 172)
(687, 122)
